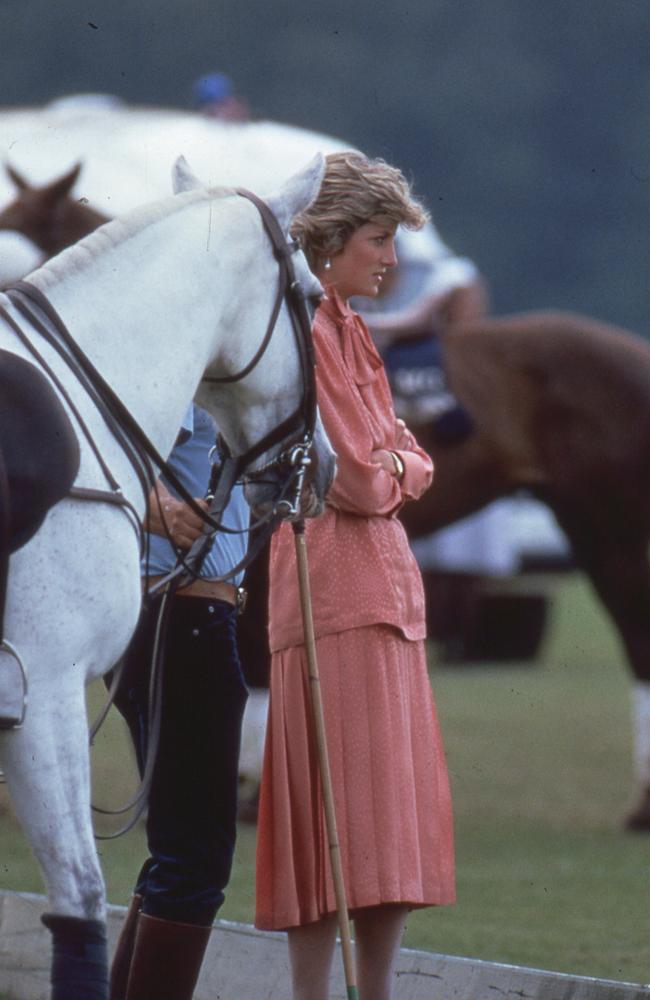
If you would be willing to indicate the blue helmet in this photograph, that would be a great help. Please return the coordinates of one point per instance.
(211, 88)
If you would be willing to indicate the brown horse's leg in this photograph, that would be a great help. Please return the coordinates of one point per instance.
(617, 565)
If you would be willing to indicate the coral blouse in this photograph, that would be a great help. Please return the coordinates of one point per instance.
(361, 568)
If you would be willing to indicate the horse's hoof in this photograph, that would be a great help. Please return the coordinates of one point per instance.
(639, 819)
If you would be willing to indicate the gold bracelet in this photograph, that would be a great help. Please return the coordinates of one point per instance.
(399, 466)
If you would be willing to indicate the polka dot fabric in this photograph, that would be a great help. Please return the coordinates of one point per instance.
(391, 792)
(387, 760)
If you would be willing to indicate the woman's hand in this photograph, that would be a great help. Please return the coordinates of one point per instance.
(389, 461)
(383, 458)
(403, 438)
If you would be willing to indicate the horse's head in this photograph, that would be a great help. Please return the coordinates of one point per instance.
(260, 384)
(48, 215)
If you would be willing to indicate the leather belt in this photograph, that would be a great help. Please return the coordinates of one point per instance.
(216, 589)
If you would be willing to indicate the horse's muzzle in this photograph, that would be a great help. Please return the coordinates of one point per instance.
(276, 492)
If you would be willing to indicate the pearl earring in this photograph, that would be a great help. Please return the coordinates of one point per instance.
(327, 266)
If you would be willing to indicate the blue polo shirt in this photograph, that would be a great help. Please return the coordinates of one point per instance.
(189, 460)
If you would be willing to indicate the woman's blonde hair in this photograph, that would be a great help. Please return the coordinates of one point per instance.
(355, 190)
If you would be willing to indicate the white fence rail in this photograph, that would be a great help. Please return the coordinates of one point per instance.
(252, 965)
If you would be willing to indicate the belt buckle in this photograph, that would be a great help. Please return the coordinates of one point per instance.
(241, 599)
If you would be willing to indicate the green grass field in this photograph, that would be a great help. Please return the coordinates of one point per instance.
(540, 762)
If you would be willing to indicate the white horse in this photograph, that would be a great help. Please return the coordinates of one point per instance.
(173, 291)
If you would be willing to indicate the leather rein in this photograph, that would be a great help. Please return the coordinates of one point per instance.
(297, 428)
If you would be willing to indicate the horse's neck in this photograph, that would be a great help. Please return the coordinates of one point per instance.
(145, 318)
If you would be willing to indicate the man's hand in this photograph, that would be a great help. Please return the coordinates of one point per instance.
(173, 518)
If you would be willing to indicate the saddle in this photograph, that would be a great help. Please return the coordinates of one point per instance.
(39, 451)
(39, 460)
(421, 396)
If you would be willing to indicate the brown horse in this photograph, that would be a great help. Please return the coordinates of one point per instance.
(561, 407)
(48, 215)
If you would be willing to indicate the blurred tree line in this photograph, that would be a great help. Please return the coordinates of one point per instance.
(525, 125)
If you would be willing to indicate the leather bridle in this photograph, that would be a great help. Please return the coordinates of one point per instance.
(299, 426)
(297, 429)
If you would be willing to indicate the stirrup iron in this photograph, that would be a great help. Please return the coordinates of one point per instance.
(10, 718)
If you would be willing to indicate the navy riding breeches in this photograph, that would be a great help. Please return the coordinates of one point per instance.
(191, 820)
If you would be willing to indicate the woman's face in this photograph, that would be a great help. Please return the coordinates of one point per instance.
(359, 268)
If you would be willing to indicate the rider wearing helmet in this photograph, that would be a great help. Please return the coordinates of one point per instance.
(214, 96)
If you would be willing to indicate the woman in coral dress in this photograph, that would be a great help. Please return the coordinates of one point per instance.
(389, 775)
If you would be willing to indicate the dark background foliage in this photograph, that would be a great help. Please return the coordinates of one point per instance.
(525, 124)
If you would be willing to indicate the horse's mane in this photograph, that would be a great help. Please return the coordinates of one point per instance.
(77, 258)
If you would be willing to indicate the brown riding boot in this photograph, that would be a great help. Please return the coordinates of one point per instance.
(166, 960)
(123, 953)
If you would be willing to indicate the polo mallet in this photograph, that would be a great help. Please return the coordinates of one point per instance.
(323, 761)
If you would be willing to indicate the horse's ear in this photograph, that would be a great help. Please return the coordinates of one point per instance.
(18, 179)
(61, 188)
(298, 192)
(182, 177)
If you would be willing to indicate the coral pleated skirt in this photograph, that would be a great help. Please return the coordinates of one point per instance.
(391, 791)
